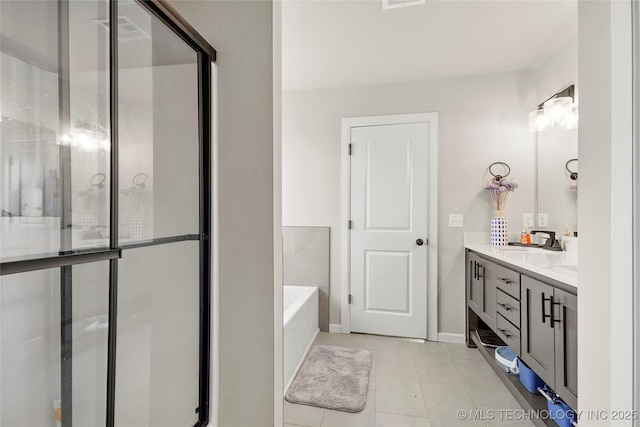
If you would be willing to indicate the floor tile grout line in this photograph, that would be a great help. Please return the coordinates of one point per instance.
(322, 418)
(402, 415)
(466, 386)
(403, 365)
(424, 398)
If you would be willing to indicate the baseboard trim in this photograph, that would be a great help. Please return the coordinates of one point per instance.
(335, 328)
(452, 338)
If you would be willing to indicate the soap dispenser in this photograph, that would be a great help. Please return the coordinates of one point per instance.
(525, 237)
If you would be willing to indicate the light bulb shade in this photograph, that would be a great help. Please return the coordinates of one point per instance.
(537, 120)
(570, 120)
(556, 109)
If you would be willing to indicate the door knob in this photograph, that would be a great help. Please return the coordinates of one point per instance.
(419, 242)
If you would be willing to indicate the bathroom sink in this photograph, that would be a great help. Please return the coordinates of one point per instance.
(518, 248)
(569, 267)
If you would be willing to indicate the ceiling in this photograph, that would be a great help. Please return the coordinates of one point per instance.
(336, 43)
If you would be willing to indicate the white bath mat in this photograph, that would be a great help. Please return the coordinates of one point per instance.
(333, 378)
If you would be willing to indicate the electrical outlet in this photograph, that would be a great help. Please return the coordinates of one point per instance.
(527, 220)
(456, 220)
(543, 220)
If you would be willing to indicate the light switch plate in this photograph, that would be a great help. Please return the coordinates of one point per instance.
(528, 220)
(456, 220)
(543, 220)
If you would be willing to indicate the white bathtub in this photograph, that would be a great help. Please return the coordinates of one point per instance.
(300, 327)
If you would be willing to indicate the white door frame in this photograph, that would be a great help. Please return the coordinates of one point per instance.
(432, 226)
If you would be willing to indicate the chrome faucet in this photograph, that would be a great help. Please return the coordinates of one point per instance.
(551, 243)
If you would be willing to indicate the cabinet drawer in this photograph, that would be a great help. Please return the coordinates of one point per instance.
(508, 307)
(508, 333)
(508, 281)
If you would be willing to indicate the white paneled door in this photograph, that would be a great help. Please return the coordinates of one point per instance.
(389, 214)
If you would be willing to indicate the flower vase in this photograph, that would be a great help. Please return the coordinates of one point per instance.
(499, 230)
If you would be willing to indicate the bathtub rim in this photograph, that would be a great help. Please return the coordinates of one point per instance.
(293, 308)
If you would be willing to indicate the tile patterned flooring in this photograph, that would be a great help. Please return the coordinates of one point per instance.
(416, 384)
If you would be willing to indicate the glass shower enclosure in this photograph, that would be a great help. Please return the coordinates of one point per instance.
(105, 178)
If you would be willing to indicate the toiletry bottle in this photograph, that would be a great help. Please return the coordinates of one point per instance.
(523, 237)
(527, 236)
(566, 229)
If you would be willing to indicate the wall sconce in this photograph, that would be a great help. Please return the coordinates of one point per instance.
(557, 111)
(86, 137)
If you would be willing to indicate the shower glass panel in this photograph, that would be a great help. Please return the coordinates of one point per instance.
(54, 121)
(31, 368)
(157, 375)
(98, 225)
(158, 129)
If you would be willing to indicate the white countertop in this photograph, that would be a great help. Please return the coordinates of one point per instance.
(561, 266)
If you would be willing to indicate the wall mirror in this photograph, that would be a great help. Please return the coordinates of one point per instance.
(557, 191)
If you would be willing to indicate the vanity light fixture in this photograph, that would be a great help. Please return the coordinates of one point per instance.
(557, 111)
(571, 118)
(537, 120)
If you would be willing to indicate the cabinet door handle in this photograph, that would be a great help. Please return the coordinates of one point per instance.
(544, 315)
(505, 306)
(505, 281)
(506, 334)
(480, 271)
(551, 319)
(475, 270)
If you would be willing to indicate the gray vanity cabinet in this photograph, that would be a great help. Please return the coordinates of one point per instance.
(474, 283)
(567, 347)
(537, 344)
(482, 289)
(536, 318)
(549, 336)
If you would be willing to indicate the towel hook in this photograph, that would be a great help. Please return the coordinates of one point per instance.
(498, 177)
(140, 179)
(573, 175)
(97, 180)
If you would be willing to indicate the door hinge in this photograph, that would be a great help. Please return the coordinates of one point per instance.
(350, 225)
(426, 241)
(350, 149)
(350, 298)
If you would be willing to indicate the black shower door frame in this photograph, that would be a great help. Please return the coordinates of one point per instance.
(65, 260)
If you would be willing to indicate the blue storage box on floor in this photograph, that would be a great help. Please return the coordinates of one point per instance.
(559, 411)
(529, 379)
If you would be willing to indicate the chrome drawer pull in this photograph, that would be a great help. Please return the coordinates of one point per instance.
(506, 334)
(505, 306)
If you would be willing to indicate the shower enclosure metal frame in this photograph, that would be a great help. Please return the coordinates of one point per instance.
(67, 258)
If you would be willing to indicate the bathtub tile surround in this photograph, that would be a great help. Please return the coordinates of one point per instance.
(435, 399)
(305, 253)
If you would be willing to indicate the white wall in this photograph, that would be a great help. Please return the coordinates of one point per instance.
(482, 119)
(605, 302)
(241, 32)
(594, 246)
(558, 71)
